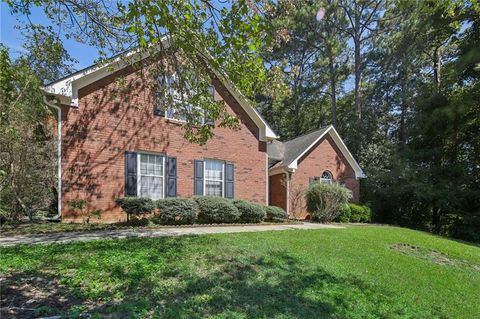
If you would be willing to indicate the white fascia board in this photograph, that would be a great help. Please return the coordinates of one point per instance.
(350, 159)
(294, 163)
(69, 86)
(341, 145)
(266, 133)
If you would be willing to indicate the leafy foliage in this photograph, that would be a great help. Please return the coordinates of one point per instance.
(136, 205)
(216, 210)
(27, 148)
(325, 201)
(360, 213)
(345, 214)
(177, 211)
(249, 212)
(275, 214)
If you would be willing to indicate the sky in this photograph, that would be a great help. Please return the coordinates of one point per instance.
(11, 37)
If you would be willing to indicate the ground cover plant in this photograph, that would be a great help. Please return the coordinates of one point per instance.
(356, 272)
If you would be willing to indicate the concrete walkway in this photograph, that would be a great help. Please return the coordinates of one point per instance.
(157, 232)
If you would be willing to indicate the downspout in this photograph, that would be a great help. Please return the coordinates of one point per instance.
(59, 156)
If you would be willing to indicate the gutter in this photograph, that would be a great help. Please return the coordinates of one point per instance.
(59, 156)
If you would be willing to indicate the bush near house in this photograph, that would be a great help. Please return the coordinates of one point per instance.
(345, 214)
(275, 214)
(216, 210)
(360, 213)
(136, 206)
(249, 212)
(325, 201)
(176, 211)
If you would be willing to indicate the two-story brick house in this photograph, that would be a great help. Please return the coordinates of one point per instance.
(112, 146)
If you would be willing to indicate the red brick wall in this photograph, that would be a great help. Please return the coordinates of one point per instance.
(110, 120)
(277, 191)
(324, 156)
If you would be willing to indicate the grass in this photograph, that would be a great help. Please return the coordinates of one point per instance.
(357, 272)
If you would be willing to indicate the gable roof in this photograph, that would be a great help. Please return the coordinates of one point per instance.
(290, 152)
(66, 89)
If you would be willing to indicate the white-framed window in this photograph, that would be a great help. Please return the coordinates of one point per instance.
(170, 99)
(214, 178)
(327, 178)
(151, 175)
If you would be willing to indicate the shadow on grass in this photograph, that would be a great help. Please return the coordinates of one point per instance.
(162, 278)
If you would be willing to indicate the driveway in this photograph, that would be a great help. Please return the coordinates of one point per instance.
(157, 232)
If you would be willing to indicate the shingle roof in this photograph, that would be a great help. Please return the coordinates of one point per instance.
(286, 152)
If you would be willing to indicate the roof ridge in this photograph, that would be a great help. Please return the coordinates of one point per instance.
(310, 132)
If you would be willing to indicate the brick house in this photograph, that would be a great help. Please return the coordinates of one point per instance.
(319, 156)
(116, 142)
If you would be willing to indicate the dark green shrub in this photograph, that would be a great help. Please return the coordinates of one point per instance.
(249, 212)
(325, 201)
(275, 214)
(345, 214)
(177, 211)
(135, 205)
(216, 210)
(360, 213)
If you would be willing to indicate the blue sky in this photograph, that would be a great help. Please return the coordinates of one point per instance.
(11, 37)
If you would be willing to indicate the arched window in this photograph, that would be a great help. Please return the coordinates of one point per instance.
(327, 178)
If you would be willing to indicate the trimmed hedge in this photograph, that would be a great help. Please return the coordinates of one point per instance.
(345, 214)
(216, 210)
(249, 212)
(360, 213)
(275, 214)
(135, 205)
(176, 211)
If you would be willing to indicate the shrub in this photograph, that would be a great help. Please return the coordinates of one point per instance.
(216, 210)
(177, 211)
(275, 214)
(249, 212)
(345, 214)
(80, 205)
(325, 201)
(135, 205)
(360, 213)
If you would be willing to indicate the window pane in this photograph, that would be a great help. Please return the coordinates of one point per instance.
(143, 164)
(151, 176)
(213, 188)
(151, 187)
(214, 178)
(214, 170)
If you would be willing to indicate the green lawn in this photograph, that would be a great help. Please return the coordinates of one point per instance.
(357, 272)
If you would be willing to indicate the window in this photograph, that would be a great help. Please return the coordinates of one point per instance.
(327, 178)
(214, 177)
(150, 175)
(170, 100)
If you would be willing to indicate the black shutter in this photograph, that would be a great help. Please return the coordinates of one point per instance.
(198, 178)
(229, 180)
(171, 177)
(130, 174)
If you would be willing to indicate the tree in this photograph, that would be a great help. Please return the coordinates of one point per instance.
(364, 17)
(191, 39)
(26, 145)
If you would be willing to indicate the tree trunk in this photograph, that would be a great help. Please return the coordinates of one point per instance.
(333, 91)
(437, 64)
(358, 71)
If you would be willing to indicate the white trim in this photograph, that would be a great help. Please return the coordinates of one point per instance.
(139, 172)
(68, 87)
(213, 180)
(287, 193)
(340, 144)
(59, 154)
